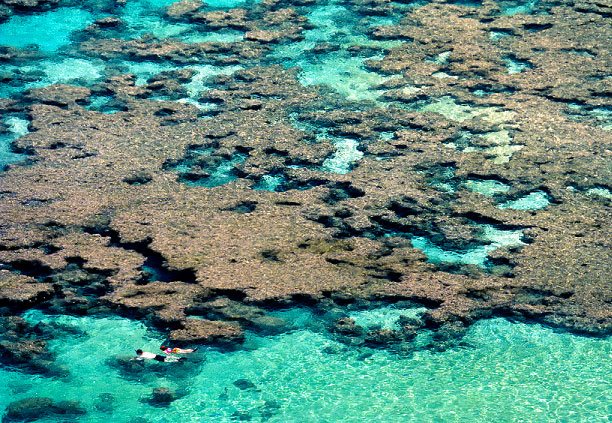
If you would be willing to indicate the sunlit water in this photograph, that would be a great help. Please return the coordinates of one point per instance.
(505, 372)
(47, 31)
(17, 127)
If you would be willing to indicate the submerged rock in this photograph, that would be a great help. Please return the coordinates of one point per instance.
(244, 384)
(105, 402)
(29, 409)
(21, 292)
(384, 337)
(347, 326)
(71, 408)
(183, 9)
(196, 331)
(269, 325)
(162, 396)
(35, 408)
(26, 353)
(242, 415)
(126, 362)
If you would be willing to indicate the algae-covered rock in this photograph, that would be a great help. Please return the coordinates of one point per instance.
(105, 402)
(183, 9)
(347, 326)
(205, 331)
(35, 408)
(22, 291)
(162, 395)
(244, 384)
(59, 95)
(29, 409)
(168, 210)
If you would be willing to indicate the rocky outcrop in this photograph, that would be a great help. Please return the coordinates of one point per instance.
(58, 95)
(196, 331)
(183, 9)
(22, 292)
(29, 409)
(10, 7)
(35, 408)
(133, 210)
(162, 397)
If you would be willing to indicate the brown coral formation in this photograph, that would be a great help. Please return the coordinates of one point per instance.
(122, 210)
(10, 7)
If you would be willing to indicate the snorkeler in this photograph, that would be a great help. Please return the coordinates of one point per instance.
(168, 350)
(143, 355)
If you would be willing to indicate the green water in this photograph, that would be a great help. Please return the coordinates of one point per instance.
(504, 372)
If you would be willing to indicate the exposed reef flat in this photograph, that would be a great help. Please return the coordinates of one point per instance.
(199, 214)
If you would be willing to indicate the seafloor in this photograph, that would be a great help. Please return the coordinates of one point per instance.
(212, 163)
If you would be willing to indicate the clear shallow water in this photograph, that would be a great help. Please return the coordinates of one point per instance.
(509, 372)
(601, 192)
(48, 31)
(515, 7)
(345, 156)
(505, 372)
(494, 239)
(486, 187)
(148, 17)
(17, 127)
(533, 201)
(342, 70)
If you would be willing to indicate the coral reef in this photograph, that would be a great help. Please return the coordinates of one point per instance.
(154, 209)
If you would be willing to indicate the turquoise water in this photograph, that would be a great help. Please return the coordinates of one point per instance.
(516, 66)
(600, 192)
(346, 155)
(488, 187)
(491, 238)
(339, 69)
(515, 7)
(603, 115)
(384, 317)
(270, 183)
(148, 17)
(48, 31)
(533, 201)
(17, 127)
(503, 372)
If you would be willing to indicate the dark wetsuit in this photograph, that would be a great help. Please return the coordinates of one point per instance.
(159, 358)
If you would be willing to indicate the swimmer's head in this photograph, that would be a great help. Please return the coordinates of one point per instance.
(139, 352)
(162, 348)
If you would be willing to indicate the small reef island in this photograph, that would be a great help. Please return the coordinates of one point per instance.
(252, 177)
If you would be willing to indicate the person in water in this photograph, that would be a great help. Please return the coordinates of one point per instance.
(144, 355)
(168, 350)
